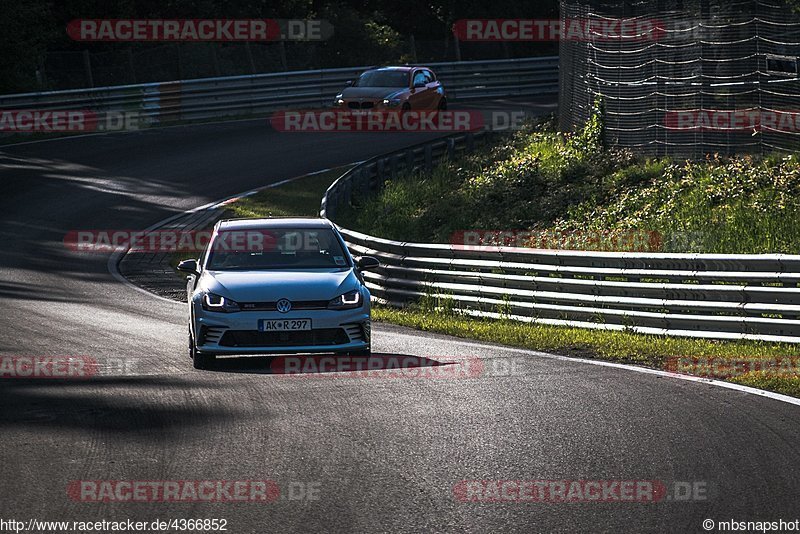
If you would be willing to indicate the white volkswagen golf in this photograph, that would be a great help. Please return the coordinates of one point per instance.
(283, 285)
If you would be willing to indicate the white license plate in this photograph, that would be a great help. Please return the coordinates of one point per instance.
(282, 325)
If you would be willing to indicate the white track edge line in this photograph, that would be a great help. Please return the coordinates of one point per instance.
(639, 369)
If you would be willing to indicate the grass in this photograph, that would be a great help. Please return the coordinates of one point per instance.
(301, 197)
(571, 192)
(707, 358)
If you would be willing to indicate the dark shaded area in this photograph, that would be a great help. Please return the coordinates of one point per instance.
(290, 365)
(143, 407)
(36, 53)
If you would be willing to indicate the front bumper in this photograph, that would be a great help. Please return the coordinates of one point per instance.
(237, 333)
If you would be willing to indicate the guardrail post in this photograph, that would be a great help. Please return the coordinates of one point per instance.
(371, 181)
(410, 161)
(379, 170)
(428, 157)
(393, 166)
(470, 142)
(330, 205)
(348, 190)
(362, 184)
(451, 148)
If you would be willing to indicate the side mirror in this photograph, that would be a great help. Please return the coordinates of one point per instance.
(419, 85)
(348, 83)
(367, 263)
(189, 266)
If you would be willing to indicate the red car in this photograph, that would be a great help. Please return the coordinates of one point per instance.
(389, 88)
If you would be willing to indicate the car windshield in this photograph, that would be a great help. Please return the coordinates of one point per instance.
(276, 248)
(383, 78)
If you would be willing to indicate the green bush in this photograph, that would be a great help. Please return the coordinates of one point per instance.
(541, 180)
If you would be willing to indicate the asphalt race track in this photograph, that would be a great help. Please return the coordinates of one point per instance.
(377, 452)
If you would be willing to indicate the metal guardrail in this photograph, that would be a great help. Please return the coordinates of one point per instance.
(735, 296)
(244, 95)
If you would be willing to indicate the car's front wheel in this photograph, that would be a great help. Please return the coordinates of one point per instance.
(200, 360)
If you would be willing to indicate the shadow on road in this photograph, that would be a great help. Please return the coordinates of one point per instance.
(146, 407)
(322, 364)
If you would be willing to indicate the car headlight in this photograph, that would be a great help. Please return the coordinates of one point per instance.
(217, 303)
(390, 103)
(338, 101)
(348, 301)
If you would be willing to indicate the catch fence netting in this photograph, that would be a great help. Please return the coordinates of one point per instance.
(684, 78)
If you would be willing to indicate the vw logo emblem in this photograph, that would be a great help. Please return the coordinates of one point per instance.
(283, 305)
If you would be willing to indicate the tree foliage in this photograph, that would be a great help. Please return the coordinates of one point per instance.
(366, 31)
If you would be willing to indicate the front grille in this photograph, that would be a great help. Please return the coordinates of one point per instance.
(254, 338)
(360, 105)
(296, 305)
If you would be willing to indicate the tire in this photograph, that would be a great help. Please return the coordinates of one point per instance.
(442, 104)
(200, 360)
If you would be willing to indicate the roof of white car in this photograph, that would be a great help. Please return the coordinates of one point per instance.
(275, 222)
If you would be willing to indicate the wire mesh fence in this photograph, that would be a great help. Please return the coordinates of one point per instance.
(688, 78)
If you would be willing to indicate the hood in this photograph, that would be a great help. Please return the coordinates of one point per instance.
(272, 285)
(370, 92)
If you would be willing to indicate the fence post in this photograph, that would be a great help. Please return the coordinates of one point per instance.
(282, 51)
(215, 59)
(178, 55)
(413, 42)
(250, 57)
(129, 54)
(87, 65)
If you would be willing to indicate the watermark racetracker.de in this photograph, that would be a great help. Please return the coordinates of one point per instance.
(625, 240)
(579, 491)
(393, 120)
(260, 491)
(567, 29)
(733, 120)
(66, 367)
(199, 30)
(726, 368)
(68, 121)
